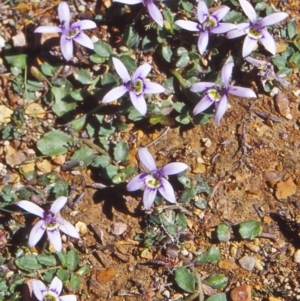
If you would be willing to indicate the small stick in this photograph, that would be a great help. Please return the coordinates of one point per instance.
(159, 137)
(268, 235)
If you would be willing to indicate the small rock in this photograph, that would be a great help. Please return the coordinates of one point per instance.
(274, 299)
(81, 228)
(258, 264)
(207, 142)
(44, 166)
(28, 167)
(247, 263)
(118, 229)
(35, 110)
(15, 159)
(19, 40)
(5, 114)
(284, 189)
(241, 293)
(297, 256)
(198, 168)
(252, 247)
(227, 264)
(282, 104)
(59, 160)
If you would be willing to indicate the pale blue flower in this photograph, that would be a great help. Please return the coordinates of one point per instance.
(155, 179)
(136, 86)
(218, 94)
(69, 32)
(50, 222)
(208, 24)
(256, 30)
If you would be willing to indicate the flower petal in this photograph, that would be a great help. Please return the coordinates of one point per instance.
(129, 2)
(84, 40)
(155, 13)
(55, 239)
(222, 28)
(167, 191)
(201, 86)
(47, 29)
(202, 11)
(268, 41)
(136, 183)
(141, 72)
(248, 10)
(273, 18)
(36, 233)
(153, 88)
(188, 25)
(226, 73)
(203, 41)
(64, 13)
(241, 92)
(38, 288)
(173, 168)
(203, 104)
(68, 298)
(219, 14)
(66, 47)
(221, 108)
(56, 286)
(248, 46)
(67, 228)
(84, 24)
(32, 208)
(138, 102)
(147, 159)
(121, 70)
(58, 204)
(240, 31)
(114, 94)
(148, 197)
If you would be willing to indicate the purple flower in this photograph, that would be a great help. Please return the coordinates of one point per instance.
(137, 86)
(208, 23)
(154, 12)
(155, 180)
(50, 222)
(69, 33)
(43, 293)
(218, 94)
(255, 30)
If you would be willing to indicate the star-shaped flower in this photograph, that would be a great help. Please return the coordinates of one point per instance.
(154, 12)
(50, 222)
(69, 32)
(218, 94)
(137, 86)
(155, 179)
(256, 30)
(208, 24)
(52, 293)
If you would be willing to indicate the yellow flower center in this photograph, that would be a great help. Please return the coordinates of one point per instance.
(214, 95)
(138, 86)
(152, 182)
(209, 23)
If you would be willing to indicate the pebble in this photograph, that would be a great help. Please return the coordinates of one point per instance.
(284, 189)
(252, 247)
(118, 229)
(282, 104)
(81, 227)
(19, 40)
(227, 264)
(247, 263)
(207, 142)
(274, 299)
(241, 293)
(297, 256)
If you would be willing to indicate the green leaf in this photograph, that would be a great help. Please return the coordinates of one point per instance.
(292, 29)
(29, 262)
(121, 151)
(185, 279)
(213, 254)
(109, 171)
(101, 161)
(216, 281)
(129, 62)
(48, 275)
(48, 260)
(83, 270)
(48, 69)
(72, 259)
(217, 297)
(223, 232)
(102, 49)
(60, 188)
(85, 155)
(295, 59)
(130, 37)
(182, 51)
(109, 80)
(279, 61)
(167, 53)
(75, 282)
(54, 143)
(97, 59)
(201, 203)
(183, 61)
(187, 195)
(19, 60)
(250, 229)
(63, 275)
(83, 76)
(232, 17)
